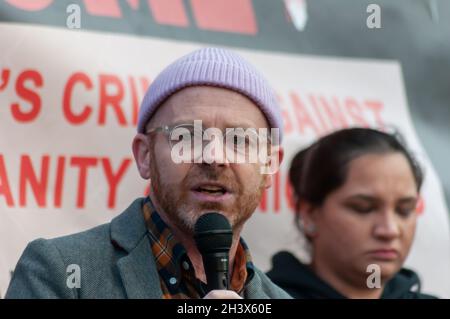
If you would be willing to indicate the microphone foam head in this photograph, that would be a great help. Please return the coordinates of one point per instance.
(212, 233)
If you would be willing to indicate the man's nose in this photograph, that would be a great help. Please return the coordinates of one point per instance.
(216, 157)
(214, 153)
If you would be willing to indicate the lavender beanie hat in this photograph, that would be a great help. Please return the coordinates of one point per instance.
(214, 67)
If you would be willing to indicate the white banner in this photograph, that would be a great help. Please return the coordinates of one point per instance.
(68, 110)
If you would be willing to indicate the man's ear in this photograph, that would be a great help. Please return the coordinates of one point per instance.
(276, 157)
(141, 152)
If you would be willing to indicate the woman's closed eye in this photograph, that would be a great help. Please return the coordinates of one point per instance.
(362, 208)
(406, 210)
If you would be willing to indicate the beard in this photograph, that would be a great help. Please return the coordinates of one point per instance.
(174, 199)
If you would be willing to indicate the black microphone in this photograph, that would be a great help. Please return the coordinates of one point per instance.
(213, 236)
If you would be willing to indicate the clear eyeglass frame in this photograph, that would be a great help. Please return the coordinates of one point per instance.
(251, 141)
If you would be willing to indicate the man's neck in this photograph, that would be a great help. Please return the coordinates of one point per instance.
(188, 242)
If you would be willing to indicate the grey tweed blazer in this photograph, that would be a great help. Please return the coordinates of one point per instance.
(114, 259)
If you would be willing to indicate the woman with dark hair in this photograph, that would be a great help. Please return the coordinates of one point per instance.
(356, 192)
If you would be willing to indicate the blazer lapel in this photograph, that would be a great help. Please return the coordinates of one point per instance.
(137, 268)
(138, 272)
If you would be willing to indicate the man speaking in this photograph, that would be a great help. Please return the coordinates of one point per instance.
(200, 124)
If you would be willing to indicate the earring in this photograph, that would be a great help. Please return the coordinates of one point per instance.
(311, 229)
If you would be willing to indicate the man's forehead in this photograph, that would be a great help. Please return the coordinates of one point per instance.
(231, 123)
(211, 105)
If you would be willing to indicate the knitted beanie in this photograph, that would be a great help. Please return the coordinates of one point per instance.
(212, 67)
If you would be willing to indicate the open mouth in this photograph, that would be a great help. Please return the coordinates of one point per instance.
(211, 190)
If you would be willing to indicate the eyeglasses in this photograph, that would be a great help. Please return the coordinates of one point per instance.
(194, 139)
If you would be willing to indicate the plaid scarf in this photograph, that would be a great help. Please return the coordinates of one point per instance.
(176, 273)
